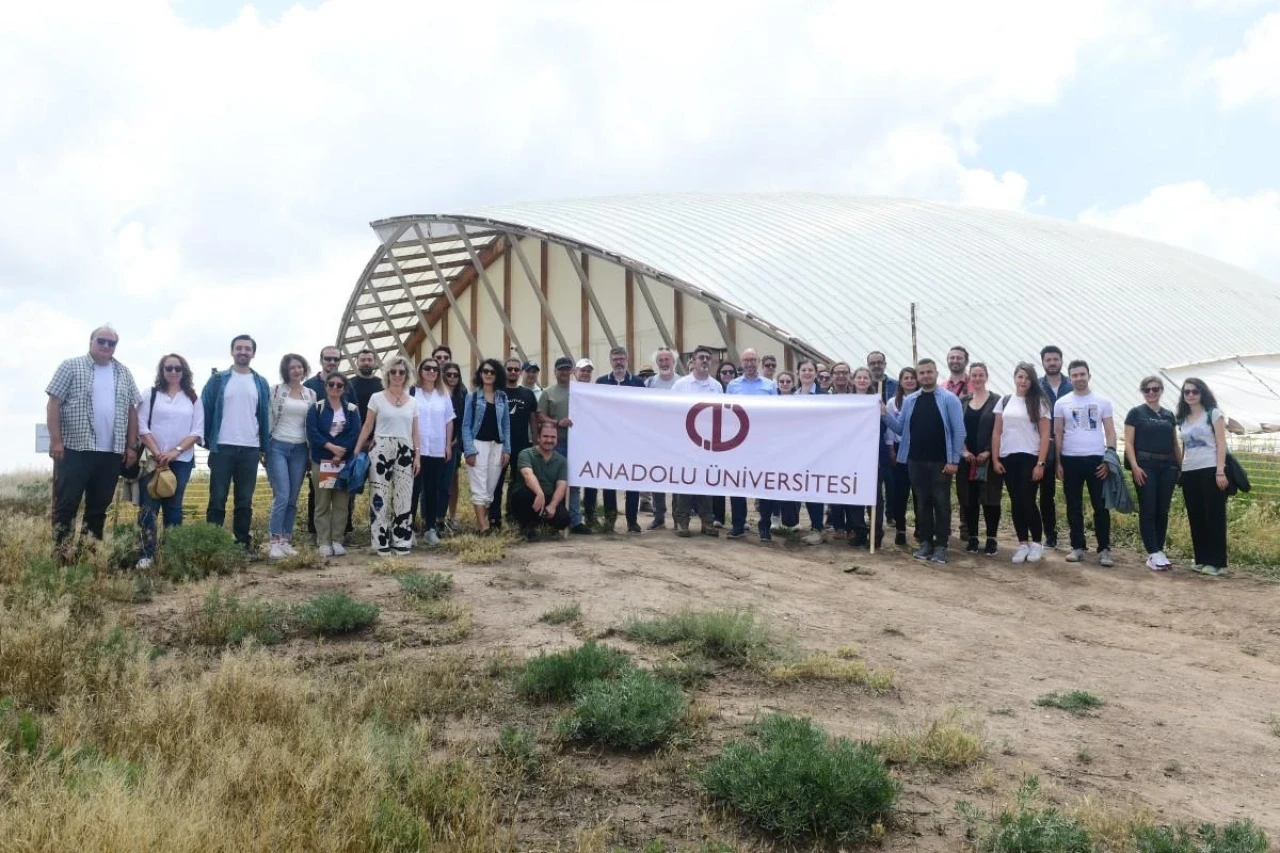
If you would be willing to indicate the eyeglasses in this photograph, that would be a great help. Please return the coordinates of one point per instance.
(1191, 392)
(430, 368)
(453, 376)
(728, 371)
(826, 376)
(397, 371)
(105, 342)
(513, 370)
(335, 385)
(488, 371)
(331, 359)
(1154, 389)
(173, 368)
(770, 364)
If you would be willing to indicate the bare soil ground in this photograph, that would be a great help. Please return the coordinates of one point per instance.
(1189, 668)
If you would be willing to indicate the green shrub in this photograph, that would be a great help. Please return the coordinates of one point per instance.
(195, 551)
(736, 636)
(20, 730)
(225, 620)
(425, 587)
(1078, 702)
(335, 613)
(565, 614)
(558, 677)
(1026, 828)
(1240, 836)
(796, 783)
(633, 711)
(518, 748)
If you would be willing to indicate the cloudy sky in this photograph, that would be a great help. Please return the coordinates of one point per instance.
(192, 169)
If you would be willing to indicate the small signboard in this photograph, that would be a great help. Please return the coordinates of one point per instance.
(42, 438)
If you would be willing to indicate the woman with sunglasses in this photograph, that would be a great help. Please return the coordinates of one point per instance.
(1204, 475)
(390, 434)
(908, 384)
(1154, 456)
(457, 391)
(486, 437)
(435, 445)
(333, 425)
(170, 424)
(726, 373)
(287, 458)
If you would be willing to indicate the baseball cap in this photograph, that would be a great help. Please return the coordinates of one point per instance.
(529, 365)
(563, 361)
(584, 362)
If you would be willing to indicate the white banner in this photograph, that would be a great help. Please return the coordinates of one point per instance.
(797, 448)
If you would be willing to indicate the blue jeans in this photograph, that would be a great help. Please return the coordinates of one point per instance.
(171, 506)
(233, 464)
(286, 466)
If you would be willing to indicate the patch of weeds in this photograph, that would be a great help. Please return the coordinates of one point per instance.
(633, 711)
(1084, 755)
(391, 566)
(559, 677)
(444, 686)
(944, 744)
(1003, 712)
(473, 549)
(795, 783)
(20, 730)
(335, 613)
(565, 614)
(226, 620)
(305, 558)
(1173, 767)
(1026, 827)
(826, 668)
(1078, 702)
(457, 619)
(733, 636)
(687, 672)
(1241, 836)
(195, 551)
(1273, 725)
(1251, 650)
(518, 749)
(421, 587)
(892, 631)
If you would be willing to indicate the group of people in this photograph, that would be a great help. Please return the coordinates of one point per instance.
(417, 426)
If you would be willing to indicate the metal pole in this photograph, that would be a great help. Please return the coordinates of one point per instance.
(915, 353)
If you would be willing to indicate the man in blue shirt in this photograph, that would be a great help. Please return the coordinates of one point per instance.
(751, 382)
(620, 374)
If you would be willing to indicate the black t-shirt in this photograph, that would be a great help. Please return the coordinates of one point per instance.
(1153, 432)
(365, 387)
(522, 404)
(928, 435)
(488, 430)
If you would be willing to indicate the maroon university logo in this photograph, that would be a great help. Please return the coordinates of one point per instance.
(717, 443)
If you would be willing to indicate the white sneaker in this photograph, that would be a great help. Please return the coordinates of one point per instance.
(1036, 554)
(275, 552)
(1020, 555)
(326, 550)
(1104, 558)
(1076, 555)
(1154, 564)
(144, 563)
(1162, 559)
(814, 538)
(337, 549)
(432, 538)
(288, 549)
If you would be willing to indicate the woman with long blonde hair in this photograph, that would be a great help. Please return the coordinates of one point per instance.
(390, 434)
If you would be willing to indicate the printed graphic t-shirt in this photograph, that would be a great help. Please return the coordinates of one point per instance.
(1082, 415)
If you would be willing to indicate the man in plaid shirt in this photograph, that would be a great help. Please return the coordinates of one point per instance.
(92, 417)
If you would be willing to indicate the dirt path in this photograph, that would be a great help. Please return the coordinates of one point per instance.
(1189, 667)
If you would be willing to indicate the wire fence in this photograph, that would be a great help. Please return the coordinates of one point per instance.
(1259, 455)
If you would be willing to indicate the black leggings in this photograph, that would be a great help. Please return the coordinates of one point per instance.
(1206, 516)
(1027, 523)
(969, 496)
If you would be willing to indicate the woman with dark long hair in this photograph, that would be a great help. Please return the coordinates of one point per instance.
(170, 424)
(726, 373)
(978, 486)
(435, 445)
(1204, 474)
(287, 458)
(486, 437)
(1154, 456)
(457, 391)
(1019, 450)
(908, 384)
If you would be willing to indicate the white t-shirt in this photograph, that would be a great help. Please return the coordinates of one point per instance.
(1082, 415)
(1200, 442)
(1017, 433)
(393, 421)
(339, 421)
(104, 407)
(435, 413)
(291, 423)
(656, 381)
(689, 384)
(172, 420)
(239, 426)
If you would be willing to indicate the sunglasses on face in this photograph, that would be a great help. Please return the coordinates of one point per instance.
(513, 370)
(335, 385)
(105, 342)
(331, 359)
(452, 375)
(1191, 392)
(487, 372)
(727, 371)
(173, 368)
(1154, 389)
(824, 376)
(397, 371)
(430, 368)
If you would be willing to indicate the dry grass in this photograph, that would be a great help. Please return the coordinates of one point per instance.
(946, 743)
(822, 667)
(480, 550)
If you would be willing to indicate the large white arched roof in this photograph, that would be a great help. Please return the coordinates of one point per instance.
(839, 273)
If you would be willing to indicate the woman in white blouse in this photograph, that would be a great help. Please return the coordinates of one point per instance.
(390, 434)
(435, 445)
(287, 457)
(170, 423)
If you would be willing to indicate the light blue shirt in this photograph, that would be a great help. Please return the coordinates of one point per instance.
(743, 385)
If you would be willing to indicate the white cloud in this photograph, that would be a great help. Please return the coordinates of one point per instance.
(194, 183)
(1253, 71)
(1243, 230)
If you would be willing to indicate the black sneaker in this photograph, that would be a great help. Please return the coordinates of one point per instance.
(972, 547)
(900, 538)
(1051, 542)
(580, 529)
(735, 534)
(991, 548)
(633, 527)
(766, 537)
(859, 539)
(657, 524)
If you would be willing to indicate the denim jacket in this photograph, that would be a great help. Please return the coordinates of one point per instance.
(320, 421)
(473, 416)
(952, 424)
(211, 399)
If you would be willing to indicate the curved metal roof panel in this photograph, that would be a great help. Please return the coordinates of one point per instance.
(840, 273)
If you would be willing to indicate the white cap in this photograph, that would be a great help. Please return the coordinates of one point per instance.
(584, 362)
